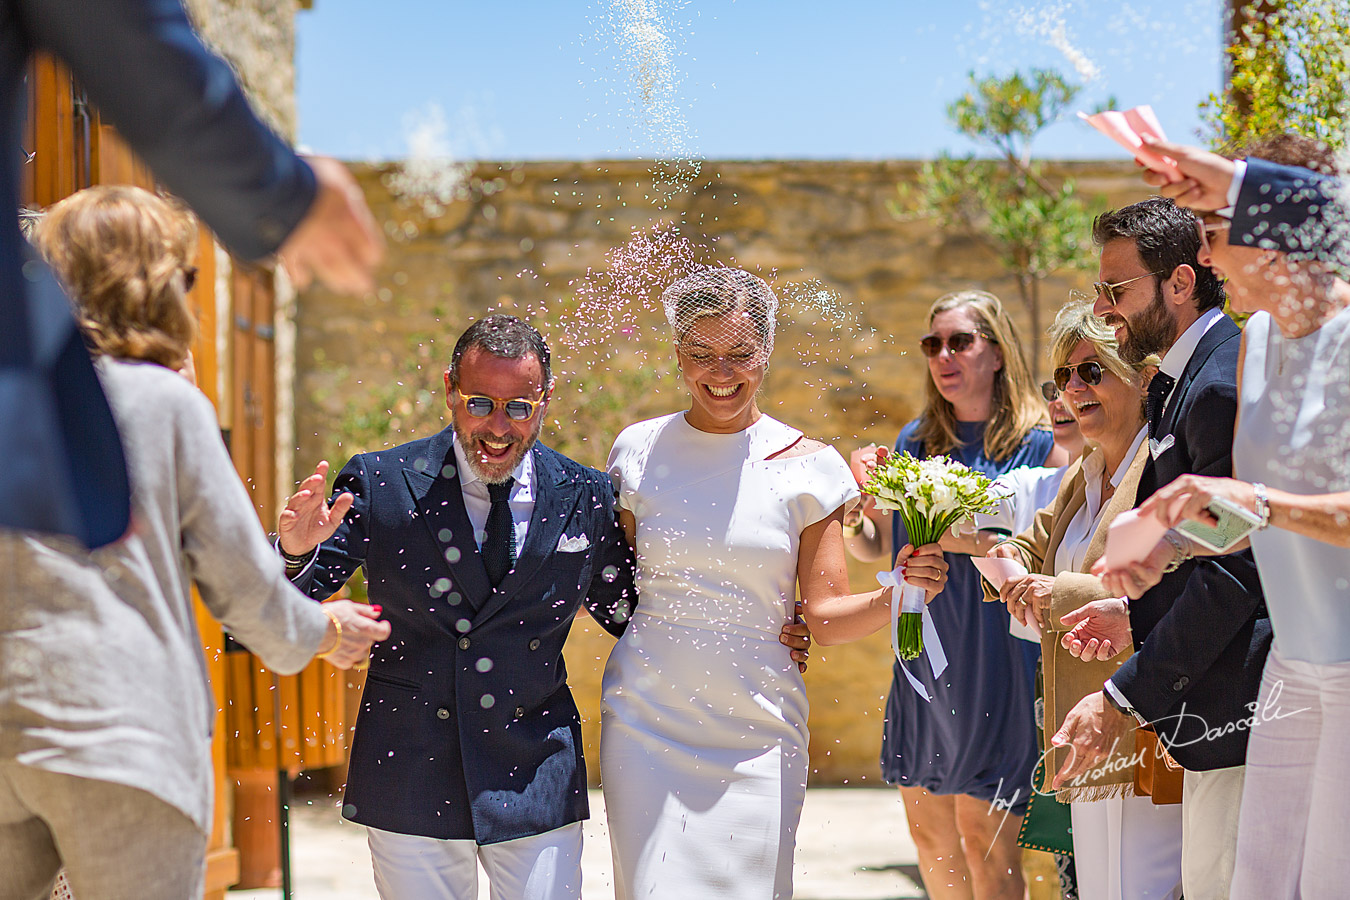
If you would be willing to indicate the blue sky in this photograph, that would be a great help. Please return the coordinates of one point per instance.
(742, 79)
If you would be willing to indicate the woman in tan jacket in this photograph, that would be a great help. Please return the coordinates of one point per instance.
(1124, 846)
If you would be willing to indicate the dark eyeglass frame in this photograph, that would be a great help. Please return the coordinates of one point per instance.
(957, 342)
(1049, 391)
(1108, 290)
(1090, 373)
(513, 406)
(189, 278)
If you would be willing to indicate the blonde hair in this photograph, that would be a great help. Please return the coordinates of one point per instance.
(1016, 406)
(123, 254)
(1075, 323)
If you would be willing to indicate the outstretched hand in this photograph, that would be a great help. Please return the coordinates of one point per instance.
(307, 520)
(1091, 731)
(1207, 176)
(1189, 497)
(361, 628)
(1134, 580)
(1097, 630)
(924, 567)
(337, 241)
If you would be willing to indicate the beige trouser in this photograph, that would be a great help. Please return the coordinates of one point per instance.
(116, 842)
(1209, 827)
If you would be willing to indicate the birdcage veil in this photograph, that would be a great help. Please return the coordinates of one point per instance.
(742, 301)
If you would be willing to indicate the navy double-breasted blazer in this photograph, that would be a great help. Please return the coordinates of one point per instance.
(1202, 633)
(467, 728)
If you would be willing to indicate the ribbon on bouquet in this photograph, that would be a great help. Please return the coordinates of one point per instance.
(907, 598)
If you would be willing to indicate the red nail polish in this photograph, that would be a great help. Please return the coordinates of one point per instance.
(378, 609)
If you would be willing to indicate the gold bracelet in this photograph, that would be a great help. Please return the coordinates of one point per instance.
(332, 617)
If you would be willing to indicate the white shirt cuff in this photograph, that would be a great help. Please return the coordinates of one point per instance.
(1117, 696)
(1234, 188)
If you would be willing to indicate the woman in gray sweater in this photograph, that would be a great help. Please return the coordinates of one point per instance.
(106, 709)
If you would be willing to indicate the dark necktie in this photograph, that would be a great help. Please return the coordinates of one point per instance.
(1158, 390)
(499, 539)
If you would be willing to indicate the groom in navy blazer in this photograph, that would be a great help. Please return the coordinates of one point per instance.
(468, 743)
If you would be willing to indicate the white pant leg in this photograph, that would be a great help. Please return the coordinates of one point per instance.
(412, 867)
(1278, 794)
(543, 867)
(1209, 824)
(1326, 856)
(1127, 849)
(1150, 849)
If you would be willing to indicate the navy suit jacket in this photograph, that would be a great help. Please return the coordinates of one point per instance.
(1202, 634)
(467, 728)
(1289, 209)
(179, 107)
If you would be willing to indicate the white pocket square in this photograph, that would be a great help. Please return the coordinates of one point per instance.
(573, 544)
(1157, 447)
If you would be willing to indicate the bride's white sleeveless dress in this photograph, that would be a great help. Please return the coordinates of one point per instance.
(703, 724)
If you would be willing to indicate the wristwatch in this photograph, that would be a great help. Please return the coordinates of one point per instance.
(1120, 707)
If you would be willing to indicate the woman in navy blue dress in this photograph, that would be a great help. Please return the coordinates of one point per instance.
(963, 761)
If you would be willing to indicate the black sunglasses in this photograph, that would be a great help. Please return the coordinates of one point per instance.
(1049, 391)
(518, 409)
(1089, 372)
(189, 278)
(960, 342)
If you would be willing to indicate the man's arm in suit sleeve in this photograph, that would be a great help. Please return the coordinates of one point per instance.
(1287, 208)
(1221, 593)
(181, 109)
(612, 595)
(344, 552)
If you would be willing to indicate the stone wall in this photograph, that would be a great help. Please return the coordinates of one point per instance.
(522, 237)
(257, 38)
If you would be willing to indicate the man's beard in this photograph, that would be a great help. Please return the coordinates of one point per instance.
(500, 472)
(1152, 331)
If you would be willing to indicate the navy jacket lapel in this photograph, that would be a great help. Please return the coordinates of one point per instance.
(440, 502)
(554, 500)
(1211, 340)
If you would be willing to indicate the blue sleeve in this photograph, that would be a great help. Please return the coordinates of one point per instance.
(180, 108)
(611, 597)
(1287, 208)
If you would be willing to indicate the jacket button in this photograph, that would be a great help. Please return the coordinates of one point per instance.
(534, 644)
(1181, 683)
(442, 712)
(520, 711)
(464, 643)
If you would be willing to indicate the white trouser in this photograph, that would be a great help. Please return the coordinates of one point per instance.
(542, 867)
(1127, 848)
(1209, 826)
(1290, 842)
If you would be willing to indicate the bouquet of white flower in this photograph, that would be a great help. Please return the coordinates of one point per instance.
(930, 496)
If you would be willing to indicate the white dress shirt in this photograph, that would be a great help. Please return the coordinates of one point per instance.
(1176, 359)
(1073, 547)
(477, 501)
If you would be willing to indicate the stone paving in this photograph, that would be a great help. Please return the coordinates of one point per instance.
(852, 845)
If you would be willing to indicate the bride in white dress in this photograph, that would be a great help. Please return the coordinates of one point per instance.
(703, 747)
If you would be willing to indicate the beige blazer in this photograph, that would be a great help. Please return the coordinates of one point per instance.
(1068, 680)
(101, 668)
